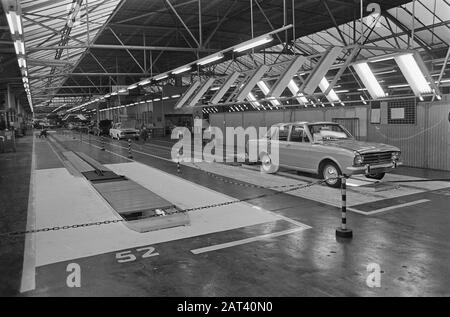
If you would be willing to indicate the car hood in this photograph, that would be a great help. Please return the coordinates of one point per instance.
(360, 146)
(128, 130)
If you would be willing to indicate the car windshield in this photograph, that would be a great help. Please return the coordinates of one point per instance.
(329, 132)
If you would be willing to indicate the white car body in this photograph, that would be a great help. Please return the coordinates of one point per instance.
(117, 132)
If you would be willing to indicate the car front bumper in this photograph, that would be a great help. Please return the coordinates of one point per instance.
(372, 169)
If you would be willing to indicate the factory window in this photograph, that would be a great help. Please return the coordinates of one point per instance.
(402, 111)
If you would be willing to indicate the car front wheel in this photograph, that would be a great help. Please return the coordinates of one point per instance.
(267, 165)
(330, 173)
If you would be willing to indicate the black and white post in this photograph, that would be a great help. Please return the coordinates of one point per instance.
(178, 161)
(343, 231)
(130, 156)
(102, 143)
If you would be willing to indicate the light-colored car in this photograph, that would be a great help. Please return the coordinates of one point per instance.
(326, 149)
(118, 132)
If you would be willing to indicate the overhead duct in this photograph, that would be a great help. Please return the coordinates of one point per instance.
(188, 93)
(201, 91)
(251, 82)
(223, 90)
(286, 77)
(320, 70)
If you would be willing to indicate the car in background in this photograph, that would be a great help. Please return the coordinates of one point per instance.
(326, 149)
(118, 132)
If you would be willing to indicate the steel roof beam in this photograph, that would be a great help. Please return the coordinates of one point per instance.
(120, 47)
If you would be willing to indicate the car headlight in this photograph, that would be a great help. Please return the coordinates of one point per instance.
(358, 160)
(395, 156)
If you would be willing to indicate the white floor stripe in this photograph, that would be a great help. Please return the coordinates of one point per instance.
(28, 281)
(245, 241)
(412, 203)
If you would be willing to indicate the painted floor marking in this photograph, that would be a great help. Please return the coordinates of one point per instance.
(245, 241)
(28, 280)
(307, 197)
(412, 203)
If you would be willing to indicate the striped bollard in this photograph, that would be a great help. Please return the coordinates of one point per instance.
(178, 162)
(129, 149)
(103, 143)
(343, 231)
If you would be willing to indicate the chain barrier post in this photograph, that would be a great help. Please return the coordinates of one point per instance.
(102, 141)
(343, 231)
(130, 156)
(178, 161)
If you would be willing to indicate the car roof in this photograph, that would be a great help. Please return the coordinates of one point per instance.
(304, 122)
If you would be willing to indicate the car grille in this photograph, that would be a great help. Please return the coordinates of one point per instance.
(377, 158)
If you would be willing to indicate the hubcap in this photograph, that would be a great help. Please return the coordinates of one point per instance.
(330, 174)
(266, 162)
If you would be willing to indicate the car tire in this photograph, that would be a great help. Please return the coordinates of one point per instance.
(331, 170)
(378, 176)
(267, 165)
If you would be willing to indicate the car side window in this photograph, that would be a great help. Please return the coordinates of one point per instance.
(298, 134)
(283, 133)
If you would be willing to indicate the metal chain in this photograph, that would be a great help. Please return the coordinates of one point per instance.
(56, 228)
(227, 181)
(106, 222)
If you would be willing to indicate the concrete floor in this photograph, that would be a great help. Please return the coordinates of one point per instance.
(411, 243)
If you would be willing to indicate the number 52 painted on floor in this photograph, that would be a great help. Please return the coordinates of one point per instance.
(128, 256)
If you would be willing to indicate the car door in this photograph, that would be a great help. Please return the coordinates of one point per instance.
(282, 143)
(299, 148)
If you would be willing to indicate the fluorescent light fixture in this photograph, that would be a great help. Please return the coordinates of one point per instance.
(368, 78)
(108, 95)
(413, 74)
(210, 59)
(251, 82)
(114, 93)
(362, 99)
(18, 47)
(265, 89)
(294, 90)
(201, 91)
(253, 43)
(332, 97)
(181, 70)
(215, 88)
(122, 90)
(175, 96)
(14, 21)
(22, 62)
(131, 87)
(165, 98)
(252, 99)
(160, 77)
(144, 82)
(341, 91)
(157, 99)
